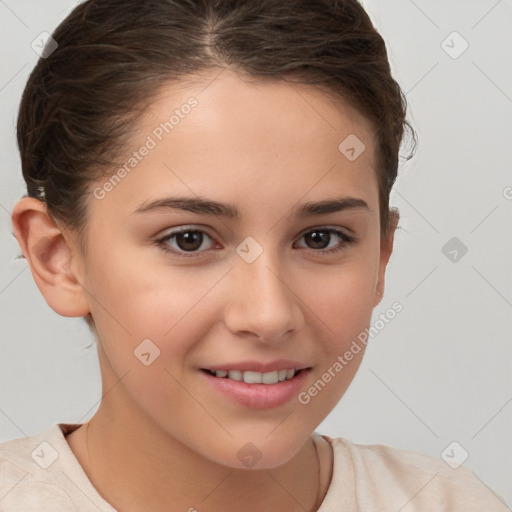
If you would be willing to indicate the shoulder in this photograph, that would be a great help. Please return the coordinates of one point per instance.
(23, 479)
(39, 472)
(411, 481)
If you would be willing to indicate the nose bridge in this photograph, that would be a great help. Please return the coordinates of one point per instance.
(263, 302)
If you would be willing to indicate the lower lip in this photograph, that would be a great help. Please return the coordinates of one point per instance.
(258, 396)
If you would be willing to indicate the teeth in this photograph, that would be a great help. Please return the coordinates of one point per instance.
(235, 375)
(270, 377)
(252, 377)
(257, 377)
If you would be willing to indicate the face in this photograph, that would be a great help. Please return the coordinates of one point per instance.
(241, 240)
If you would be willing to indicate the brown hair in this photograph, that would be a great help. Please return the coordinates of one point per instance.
(113, 55)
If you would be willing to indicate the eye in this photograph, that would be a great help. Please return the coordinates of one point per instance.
(190, 242)
(327, 240)
(185, 241)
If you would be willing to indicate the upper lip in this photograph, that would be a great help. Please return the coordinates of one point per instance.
(256, 366)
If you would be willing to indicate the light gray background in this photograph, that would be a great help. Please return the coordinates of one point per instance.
(440, 371)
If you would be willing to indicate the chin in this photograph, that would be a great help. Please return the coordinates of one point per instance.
(254, 453)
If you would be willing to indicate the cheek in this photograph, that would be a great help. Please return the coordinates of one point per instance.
(134, 301)
(342, 297)
(137, 295)
(341, 303)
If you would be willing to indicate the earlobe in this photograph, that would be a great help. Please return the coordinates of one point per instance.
(49, 256)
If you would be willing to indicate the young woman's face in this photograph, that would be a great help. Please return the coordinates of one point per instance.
(243, 239)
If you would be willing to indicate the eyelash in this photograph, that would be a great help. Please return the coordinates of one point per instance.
(348, 240)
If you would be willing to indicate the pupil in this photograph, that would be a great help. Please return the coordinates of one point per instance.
(189, 240)
(319, 239)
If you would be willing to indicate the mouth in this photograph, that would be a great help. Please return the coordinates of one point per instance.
(252, 377)
(257, 390)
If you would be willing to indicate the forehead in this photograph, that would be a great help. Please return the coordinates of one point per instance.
(260, 141)
(270, 111)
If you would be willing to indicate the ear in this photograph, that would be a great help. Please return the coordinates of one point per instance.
(49, 257)
(386, 248)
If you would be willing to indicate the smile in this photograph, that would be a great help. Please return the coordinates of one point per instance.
(251, 377)
(254, 389)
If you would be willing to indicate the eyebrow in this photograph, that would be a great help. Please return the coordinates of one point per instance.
(230, 211)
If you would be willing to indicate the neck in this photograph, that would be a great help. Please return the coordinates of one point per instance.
(136, 466)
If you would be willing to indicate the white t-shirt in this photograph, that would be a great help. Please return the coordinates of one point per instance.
(40, 473)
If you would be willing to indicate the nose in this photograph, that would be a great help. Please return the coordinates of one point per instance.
(262, 303)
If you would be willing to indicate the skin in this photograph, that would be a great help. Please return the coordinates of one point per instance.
(162, 439)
